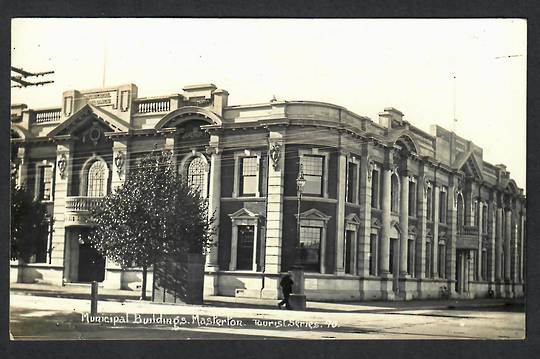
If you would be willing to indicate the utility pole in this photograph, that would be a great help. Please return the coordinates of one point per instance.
(21, 77)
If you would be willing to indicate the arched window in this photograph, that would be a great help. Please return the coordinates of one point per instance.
(97, 179)
(196, 174)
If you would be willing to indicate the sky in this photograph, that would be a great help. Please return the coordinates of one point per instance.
(363, 65)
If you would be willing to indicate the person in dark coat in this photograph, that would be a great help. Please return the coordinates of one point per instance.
(286, 284)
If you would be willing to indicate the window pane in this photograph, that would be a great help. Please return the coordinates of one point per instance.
(96, 179)
(375, 189)
(373, 254)
(196, 172)
(248, 176)
(244, 257)
(309, 251)
(249, 186)
(351, 183)
(313, 185)
(313, 167)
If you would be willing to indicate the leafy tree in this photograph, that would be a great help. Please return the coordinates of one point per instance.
(155, 214)
(29, 222)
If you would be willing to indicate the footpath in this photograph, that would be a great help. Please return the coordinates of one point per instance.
(82, 291)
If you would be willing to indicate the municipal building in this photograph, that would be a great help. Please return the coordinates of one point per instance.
(387, 211)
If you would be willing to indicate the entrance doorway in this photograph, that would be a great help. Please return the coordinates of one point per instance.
(91, 264)
(462, 270)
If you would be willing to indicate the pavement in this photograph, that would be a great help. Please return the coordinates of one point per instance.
(49, 312)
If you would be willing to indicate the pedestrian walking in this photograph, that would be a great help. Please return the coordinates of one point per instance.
(286, 284)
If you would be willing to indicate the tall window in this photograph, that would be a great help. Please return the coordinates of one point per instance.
(428, 259)
(375, 189)
(442, 207)
(313, 167)
(410, 257)
(373, 254)
(45, 182)
(395, 194)
(97, 179)
(442, 260)
(475, 213)
(429, 204)
(484, 264)
(484, 218)
(412, 198)
(349, 247)
(244, 259)
(196, 174)
(352, 179)
(309, 251)
(249, 185)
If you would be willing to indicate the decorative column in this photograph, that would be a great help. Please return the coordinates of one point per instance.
(420, 260)
(364, 235)
(340, 215)
(498, 245)
(211, 285)
(113, 271)
(385, 229)
(521, 246)
(64, 255)
(451, 236)
(274, 214)
(404, 224)
(435, 240)
(22, 166)
(492, 225)
(507, 245)
(480, 240)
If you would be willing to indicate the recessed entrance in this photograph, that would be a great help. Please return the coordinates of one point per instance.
(91, 264)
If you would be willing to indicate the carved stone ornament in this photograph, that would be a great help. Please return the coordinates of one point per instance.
(119, 160)
(93, 134)
(62, 164)
(275, 154)
(426, 186)
(371, 167)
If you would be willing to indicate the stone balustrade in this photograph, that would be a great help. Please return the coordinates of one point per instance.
(153, 105)
(47, 115)
(78, 210)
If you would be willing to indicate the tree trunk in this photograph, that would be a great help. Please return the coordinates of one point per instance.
(143, 286)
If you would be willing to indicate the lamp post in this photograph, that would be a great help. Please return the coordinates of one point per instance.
(300, 183)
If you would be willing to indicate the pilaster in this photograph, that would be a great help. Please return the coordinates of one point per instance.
(364, 235)
(435, 241)
(451, 236)
(384, 252)
(340, 215)
(498, 245)
(404, 223)
(420, 260)
(61, 254)
(274, 213)
(507, 245)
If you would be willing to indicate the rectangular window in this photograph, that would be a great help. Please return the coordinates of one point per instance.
(412, 198)
(392, 257)
(313, 168)
(410, 258)
(249, 168)
(309, 251)
(428, 260)
(373, 254)
(429, 205)
(442, 207)
(244, 259)
(484, 264)
(45, 182)
(442, 263)
(484, 219)
(352, 179)
(349, 241)
(375, 189)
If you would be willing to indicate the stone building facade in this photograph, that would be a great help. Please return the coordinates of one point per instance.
(388, 211)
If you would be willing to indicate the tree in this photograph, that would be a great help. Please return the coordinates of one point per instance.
(155, 214)
(29, 222)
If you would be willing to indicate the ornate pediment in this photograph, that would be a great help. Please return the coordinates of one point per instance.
(352, 219)
(89, 115)
(314, 214)
(243, 213)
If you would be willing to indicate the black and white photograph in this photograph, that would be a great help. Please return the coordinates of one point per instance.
(268, 179)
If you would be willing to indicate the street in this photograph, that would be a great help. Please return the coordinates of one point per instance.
(34, 317)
